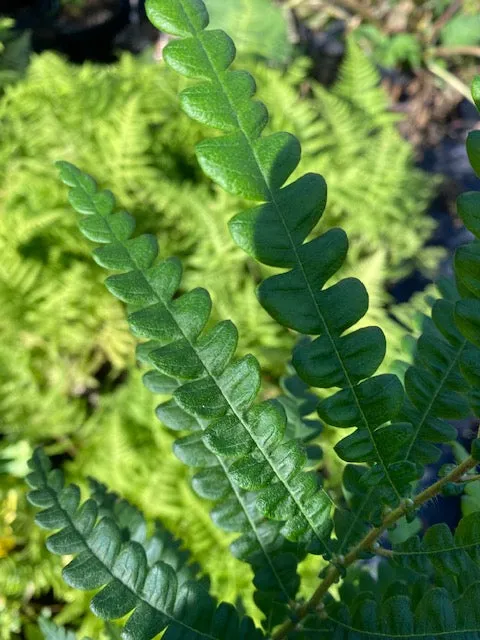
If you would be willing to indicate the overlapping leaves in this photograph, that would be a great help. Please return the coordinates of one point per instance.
(212, 398)
(440, 551)
(130, 579)
(161, 545)
(440, 384)
(274, 232)
(426, 588)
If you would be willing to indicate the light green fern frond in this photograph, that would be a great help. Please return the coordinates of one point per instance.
(359, 82)
(260, 26)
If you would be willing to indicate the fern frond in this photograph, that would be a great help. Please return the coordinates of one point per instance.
(358, 82)
(435, 615)
(294, 495)
(121, 435)
(153, 595)
(440, 551)
(221, 391)
(424, 589)
(448, 352)
(51, 631)
(255, 167)
(434, 385)
(161, 545)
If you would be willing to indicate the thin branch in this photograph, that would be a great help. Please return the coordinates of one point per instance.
(450, 79)
(472, 478)
(333, 574)
(459, 50)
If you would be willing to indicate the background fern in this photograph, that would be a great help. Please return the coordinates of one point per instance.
(260, 25)
(65, 346)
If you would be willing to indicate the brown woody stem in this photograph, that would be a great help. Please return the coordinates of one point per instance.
(333, 573)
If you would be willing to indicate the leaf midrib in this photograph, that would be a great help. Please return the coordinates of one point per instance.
(438, 390)
(390, 636)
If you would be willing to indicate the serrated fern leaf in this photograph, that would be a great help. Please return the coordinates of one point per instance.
(119, 445)
(274, 562)
(437, 390)
(153, 595)
(161, 545)
(434, 385)
(439, 551)
(216, 401)
(425, 588)
(255, 167)
(435, 616)
(447, 356)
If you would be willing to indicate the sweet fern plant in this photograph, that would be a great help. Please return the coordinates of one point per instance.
(249, 457)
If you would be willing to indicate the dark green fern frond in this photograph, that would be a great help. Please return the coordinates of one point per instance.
(153, 595)
(435, 388)
(435, 392)
(218, 390)
(121, 435)
(447, 356)
(433, 615)
(443, 553)
(161, 545)
(425, 589)
(439, 384)
(255, 167)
